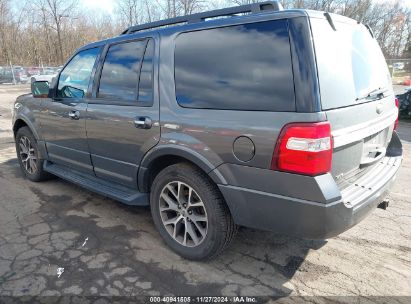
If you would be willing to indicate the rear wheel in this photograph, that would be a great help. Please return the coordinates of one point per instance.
(190, 213)
(28, 156)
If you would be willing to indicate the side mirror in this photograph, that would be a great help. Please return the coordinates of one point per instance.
(40, 89)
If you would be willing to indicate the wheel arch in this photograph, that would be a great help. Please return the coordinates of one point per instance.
(22, 121)
(163, 156)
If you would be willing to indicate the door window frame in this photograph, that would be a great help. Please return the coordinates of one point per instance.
(97, 77)
(92, 75)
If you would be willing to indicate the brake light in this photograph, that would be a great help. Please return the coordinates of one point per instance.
(397, 104)
(304, 148)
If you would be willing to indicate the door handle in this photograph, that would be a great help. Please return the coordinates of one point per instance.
(143, 122)
(74, 115)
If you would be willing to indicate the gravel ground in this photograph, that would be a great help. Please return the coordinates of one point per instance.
(107, 248)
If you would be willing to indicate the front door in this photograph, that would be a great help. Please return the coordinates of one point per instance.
(63, 117)
(123, 115)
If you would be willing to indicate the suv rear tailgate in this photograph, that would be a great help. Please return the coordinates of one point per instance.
(360, 135)
(356, 93)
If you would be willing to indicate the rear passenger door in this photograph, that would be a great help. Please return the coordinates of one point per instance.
(123, 115)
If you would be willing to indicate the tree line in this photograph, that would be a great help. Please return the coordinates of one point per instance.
(47, 32)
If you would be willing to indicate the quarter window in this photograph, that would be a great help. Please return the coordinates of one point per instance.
(243, 67)
(75, 78)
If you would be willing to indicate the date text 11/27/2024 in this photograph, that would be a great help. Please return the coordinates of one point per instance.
(204, 299)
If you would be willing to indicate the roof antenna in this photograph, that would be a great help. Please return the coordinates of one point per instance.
(330, 21)
(370, 30)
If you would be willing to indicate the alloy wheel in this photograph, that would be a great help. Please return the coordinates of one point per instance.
(27, 155)
(183, 214)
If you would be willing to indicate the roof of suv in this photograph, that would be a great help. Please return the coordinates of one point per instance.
(228, 16)
(181, 26)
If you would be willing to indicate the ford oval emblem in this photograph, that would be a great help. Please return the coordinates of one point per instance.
(379, 108)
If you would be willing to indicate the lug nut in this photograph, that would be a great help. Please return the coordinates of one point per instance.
(184, 205)
(190, 212)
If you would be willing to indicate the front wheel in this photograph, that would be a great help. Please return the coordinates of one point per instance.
(28, 156)
(190, 213)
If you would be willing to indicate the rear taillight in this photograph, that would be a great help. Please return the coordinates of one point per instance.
(304, 148)
(397, 104)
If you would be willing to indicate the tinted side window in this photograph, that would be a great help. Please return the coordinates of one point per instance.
(245, 67)
(119, 77)
(75, 78)
(145, 88)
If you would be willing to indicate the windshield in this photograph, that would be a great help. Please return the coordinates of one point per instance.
(351, 66)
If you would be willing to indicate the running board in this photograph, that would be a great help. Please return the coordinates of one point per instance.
(115, 191)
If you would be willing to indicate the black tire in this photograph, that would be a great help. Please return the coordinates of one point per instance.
(38, 174)
(221, 228)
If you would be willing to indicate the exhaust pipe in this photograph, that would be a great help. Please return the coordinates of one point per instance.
(384, 204)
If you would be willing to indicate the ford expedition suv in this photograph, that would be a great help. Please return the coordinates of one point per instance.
(282, 120)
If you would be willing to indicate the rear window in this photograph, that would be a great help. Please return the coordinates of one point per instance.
(244, 67)
(350, 63)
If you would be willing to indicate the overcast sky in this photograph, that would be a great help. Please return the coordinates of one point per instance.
(108, 6)
(105, 6)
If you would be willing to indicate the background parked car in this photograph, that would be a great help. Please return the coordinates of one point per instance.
(33, 71)
(407, 82)
(47, 75)
(399, 65)
(405, 104)
(6, 76)
(20, 74)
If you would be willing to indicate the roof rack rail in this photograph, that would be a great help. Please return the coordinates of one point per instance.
(248, 8)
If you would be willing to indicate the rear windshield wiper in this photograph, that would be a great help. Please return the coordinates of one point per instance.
(373, 94)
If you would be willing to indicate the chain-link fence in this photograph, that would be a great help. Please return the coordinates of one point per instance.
(400, 70)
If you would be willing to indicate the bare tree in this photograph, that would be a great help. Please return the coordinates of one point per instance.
(10, 28)
(4, 25)
(191, 6)
(48, 31)
(57, 10)
(171, 8)
(130, 11)
(243, 2)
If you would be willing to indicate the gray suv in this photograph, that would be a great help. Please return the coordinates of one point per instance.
(281, 120)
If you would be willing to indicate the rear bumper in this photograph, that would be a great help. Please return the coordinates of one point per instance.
(312, 219)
